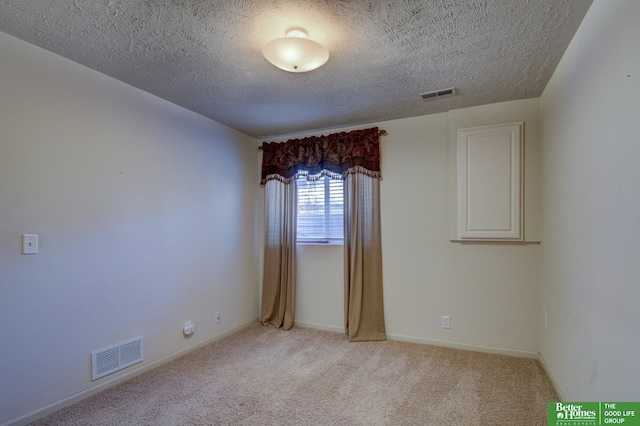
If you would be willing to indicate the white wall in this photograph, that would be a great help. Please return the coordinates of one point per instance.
(146, 218)
(590, 275)
(489, 290)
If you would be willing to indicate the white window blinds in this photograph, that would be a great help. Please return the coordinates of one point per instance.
(320, 210)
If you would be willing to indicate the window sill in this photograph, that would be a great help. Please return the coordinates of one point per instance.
(320, 243)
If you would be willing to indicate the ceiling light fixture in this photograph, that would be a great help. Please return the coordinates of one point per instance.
(295, 52)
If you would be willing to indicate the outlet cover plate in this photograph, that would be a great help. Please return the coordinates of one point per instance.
(446, 321)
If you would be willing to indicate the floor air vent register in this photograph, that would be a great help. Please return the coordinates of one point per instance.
(109, 360)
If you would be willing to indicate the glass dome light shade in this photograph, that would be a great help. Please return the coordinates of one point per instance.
(295, 53)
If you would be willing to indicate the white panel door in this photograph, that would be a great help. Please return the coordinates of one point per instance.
(490, 182)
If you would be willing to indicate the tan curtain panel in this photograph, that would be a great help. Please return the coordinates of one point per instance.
(363, 298)
(279, 278)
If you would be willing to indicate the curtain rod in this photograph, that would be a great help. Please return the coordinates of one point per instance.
(381, 132)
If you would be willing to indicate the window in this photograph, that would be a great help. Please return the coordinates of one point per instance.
(320, 210)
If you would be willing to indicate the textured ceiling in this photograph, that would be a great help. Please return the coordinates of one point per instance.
(206, 55)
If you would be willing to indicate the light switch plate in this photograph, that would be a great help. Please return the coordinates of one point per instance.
(30, 244)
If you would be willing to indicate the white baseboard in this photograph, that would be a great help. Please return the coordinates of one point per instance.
(65, 402)
(553, 380)
(320, 326)
(443, 343)
(464, 346)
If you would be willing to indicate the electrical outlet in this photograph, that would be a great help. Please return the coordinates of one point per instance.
(544, 317)
(189, 328)
(446, 321)
(218, 317)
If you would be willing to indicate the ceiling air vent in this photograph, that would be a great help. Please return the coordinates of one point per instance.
(439, 93)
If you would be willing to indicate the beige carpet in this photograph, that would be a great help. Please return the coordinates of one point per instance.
(264, 376)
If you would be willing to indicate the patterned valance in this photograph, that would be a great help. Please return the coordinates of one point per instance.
(335, 155)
